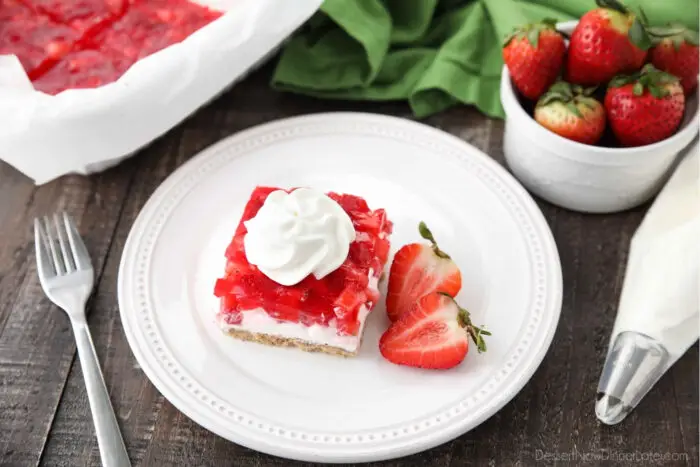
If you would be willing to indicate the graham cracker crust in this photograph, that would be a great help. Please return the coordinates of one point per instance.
(277, 341)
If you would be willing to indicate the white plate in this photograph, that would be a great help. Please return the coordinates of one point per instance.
(318, 407)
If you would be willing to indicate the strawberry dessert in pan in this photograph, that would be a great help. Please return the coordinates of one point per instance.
(69, 44)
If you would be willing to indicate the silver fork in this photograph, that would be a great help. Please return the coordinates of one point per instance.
(66, 275)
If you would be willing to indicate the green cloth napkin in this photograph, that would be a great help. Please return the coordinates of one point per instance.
(433, 53)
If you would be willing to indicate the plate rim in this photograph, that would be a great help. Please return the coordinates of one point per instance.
(345, 452)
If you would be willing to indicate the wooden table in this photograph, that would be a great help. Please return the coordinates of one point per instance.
(44, 413)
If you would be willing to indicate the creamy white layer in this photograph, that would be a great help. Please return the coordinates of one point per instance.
(259, 322)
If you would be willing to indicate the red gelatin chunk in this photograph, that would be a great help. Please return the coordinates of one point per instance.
(151, 25)
(80, 14)
(337, 297)
(36, 40)
(81, 69)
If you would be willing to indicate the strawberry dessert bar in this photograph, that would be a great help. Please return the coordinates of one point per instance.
(302, 270)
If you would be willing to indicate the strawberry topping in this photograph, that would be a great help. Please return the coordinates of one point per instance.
(338, 297)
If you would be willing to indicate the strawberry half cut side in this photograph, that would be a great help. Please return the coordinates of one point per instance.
(433, 334)
(417, 270)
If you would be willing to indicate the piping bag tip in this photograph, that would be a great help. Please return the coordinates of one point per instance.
(634, 364)
(610, 410)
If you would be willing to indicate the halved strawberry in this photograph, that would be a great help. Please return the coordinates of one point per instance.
(434, 333)
(417, 270)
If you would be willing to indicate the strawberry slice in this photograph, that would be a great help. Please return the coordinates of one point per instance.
(432, 334)
(417, 270)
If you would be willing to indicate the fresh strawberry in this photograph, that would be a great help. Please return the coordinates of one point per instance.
(606, 41)
(644, 107)
(419, 269)
(676, 51)
(571, 112)
(534, 55)
(434, 333)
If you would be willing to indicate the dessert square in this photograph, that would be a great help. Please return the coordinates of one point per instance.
(326, 314)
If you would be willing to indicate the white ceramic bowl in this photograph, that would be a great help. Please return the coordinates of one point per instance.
(583, 177)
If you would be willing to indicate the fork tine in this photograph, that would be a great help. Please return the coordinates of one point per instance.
(44, 263)
(57, 260)
(61, 234)
(77, 246)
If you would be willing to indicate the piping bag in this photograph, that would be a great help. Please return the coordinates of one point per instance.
(658, 314)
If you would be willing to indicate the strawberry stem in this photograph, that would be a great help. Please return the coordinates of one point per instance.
(476, 333)
(428, 235)
(639, 35)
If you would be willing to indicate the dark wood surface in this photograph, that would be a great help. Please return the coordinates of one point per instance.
(44, 413)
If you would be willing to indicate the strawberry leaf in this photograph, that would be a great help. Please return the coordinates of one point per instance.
(620, 80)
(691, 37)
(613, 5)
(657, 92)
(547, 99)
(509, 37)
(648, 77)
(571, 96)
(477, 334)
(531, 31)
(676, 32)
(670, 29)
(589, 91)
(643, 15)
(573, 109)
(638, 35)
(551, 22)
(533, 37)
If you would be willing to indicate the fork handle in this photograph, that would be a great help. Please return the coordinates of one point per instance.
(112, 450)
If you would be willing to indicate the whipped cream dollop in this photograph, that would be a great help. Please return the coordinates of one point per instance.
(296, 234)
